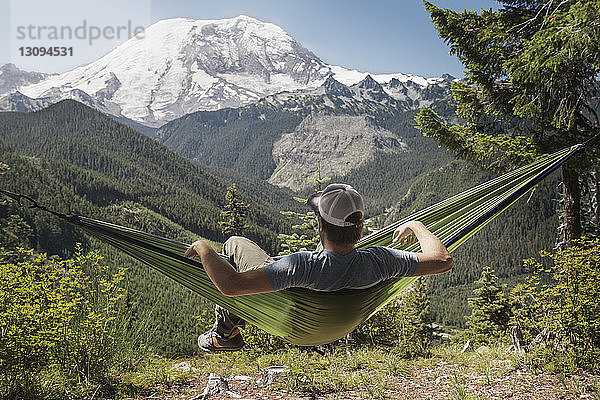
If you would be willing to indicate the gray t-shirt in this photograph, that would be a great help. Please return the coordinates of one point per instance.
(328, 271)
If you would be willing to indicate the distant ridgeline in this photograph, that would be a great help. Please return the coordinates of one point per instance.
(72, 158)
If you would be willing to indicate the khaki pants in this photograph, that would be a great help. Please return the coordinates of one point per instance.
(243, 254)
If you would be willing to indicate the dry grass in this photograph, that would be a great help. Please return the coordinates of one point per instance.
(368, 373)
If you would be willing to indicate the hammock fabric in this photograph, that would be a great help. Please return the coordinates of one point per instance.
(305, 317)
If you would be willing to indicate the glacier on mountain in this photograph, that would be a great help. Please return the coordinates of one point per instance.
(184, 65)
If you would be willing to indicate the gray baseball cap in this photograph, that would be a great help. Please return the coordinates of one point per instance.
(336, 203)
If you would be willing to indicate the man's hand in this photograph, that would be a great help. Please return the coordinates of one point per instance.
(404, 234)
(434, 258)
(196, 248)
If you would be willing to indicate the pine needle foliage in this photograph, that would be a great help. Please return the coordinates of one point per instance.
(234, 217)
(490, 313)
(531, 87)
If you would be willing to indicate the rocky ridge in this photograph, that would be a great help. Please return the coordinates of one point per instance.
(334, 143)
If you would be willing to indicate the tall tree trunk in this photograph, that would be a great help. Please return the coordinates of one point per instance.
(571, 216)
(596, 199)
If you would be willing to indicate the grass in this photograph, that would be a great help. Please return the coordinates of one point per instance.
(371, 371)
(363, 369)
(365, 372)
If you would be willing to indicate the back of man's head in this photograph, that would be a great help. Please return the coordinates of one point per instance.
(341, 210)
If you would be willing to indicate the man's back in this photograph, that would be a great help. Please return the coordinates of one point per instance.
(328, 271)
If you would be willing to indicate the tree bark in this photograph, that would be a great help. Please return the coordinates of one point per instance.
(571, 215)
(596, 199)
(516, 337)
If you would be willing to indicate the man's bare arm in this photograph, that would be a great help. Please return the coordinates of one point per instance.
(229, 281)
(435, 258)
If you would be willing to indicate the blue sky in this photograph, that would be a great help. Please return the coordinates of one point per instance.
(379, 36)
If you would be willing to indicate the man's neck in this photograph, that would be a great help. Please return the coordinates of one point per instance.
(337, 248)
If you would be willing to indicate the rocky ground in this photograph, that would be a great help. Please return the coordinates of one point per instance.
(419, 380)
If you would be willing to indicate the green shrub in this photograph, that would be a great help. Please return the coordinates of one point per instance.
(404, 323)
(56, 317)
(256, 339)
(560, 301)
(14, 231)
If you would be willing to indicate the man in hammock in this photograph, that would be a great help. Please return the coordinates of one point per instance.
(337, 265)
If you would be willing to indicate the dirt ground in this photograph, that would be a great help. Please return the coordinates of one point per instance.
(442, 381)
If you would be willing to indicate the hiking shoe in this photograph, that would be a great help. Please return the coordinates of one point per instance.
(213, 341)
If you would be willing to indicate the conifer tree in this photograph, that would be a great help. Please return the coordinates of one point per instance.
(306, 235)
(14, 231)
(531, 88)
(415, 332)
(490, 309)
(234, 217)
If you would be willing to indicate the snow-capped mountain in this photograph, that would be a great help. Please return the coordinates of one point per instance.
(363, 96)
(12, 77)
(183, 65)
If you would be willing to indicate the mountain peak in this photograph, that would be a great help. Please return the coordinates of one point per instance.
(395, 83)
(336, 88)
(10, 67)
(228, 27)
(184, 65)
(243, 17)
(11, 78)
(370, 84)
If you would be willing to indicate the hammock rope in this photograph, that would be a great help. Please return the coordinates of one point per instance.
(306, 317)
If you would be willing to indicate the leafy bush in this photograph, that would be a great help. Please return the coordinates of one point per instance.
(560, 305)
(56, 319)
(405, 323)
(259, 340)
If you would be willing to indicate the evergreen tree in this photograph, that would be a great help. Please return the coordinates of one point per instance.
(415, 332)
(532, 87)
(14, 231)
(306, 232)
(306, 235)
(490, 309)
(233, 218)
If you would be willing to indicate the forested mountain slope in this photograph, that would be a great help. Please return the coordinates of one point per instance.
(115, 163)
(243, 139)
(73, 159)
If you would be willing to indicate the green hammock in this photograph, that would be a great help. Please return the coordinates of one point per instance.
(307, 317)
